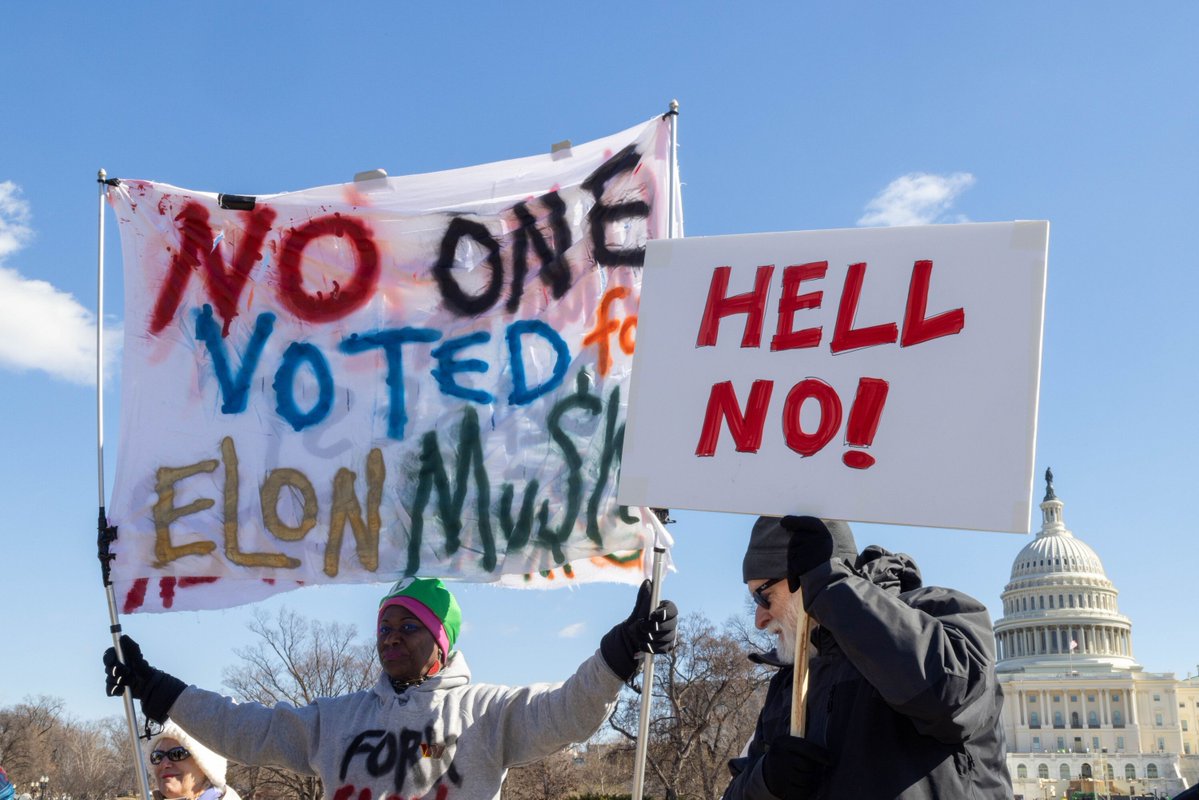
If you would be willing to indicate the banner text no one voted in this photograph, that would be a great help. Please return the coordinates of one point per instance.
(513, 317)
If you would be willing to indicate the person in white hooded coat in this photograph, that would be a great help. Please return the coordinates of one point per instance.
(183, 769)
(424, 730)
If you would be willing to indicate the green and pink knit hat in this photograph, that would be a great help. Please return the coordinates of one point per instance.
(432, 604)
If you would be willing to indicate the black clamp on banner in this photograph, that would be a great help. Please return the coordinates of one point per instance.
(105, 535)
(235, 202)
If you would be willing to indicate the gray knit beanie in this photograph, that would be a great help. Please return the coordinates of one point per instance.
(766, 556)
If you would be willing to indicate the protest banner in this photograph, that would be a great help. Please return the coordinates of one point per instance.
(879, 375)
(398, 376)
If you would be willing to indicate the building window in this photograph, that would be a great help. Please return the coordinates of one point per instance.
(1085, 770)
(1022, 772)
(1093, 720)
(1120, 743)
(1157, 719)
(1061, 746)
(1036, 744)
(1034, 719)
(1116, 697)
(1051, 601)
(1042, 599)
(1186, 748)
(1095, 743)
(1184, 724)
(1064, 771)
(1043, 771)
(1032, 698)
(1057, 698)
(1090, 698)
(1073, 698)
(1058, 720)
(1151, 771)
(1161, 745)
(1157, 698)
(1130, 772)
(1071, 601)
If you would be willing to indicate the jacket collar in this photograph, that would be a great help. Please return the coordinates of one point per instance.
(455, 673)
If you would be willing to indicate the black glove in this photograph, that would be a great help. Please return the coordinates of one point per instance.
(793, 768)
(813, 542)
(642, 632)
(156, 689)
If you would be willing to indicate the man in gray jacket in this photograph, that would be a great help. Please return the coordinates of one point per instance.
(902, 700)
(424, 730)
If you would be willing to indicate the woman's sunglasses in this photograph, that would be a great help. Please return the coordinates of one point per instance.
(759, 594)
(174, 754)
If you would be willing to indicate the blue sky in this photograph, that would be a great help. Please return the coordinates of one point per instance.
(793, 117)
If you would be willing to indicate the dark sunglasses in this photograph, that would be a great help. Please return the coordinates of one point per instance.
(174, 754)
(759, 595)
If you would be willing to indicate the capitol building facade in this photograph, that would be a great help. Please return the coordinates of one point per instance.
(1080, 714)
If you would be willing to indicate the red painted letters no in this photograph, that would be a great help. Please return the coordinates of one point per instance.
(746, 429)
(341, 300)
(224, 286)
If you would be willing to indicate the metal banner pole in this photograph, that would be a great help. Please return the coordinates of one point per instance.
(106, 534)
(647, 685)
(647, 680)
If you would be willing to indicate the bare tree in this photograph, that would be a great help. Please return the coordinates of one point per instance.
(91, 764)
(27, 737)
(82, 760)
(705, 702)
(296, 661)
(551, 778)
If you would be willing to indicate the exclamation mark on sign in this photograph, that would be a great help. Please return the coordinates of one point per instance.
(863, 421)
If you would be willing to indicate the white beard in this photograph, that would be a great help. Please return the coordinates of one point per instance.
(784, 635)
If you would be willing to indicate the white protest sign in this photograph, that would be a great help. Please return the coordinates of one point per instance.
(424, 375)
(877, 374)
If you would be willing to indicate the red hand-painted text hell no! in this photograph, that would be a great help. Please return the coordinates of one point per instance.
(746, 424)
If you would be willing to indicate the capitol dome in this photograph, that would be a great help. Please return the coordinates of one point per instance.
(1059, 607)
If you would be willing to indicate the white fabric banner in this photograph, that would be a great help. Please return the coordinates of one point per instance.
(873, 374)
(425, 375)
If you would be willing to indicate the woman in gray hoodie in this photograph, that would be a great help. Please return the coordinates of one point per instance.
(424, 730)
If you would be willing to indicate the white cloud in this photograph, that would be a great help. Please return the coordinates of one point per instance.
(41, 327)
(916, 199)
(572, 631)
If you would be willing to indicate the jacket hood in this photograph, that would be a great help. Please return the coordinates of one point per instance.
(894, 572)
(455, 673)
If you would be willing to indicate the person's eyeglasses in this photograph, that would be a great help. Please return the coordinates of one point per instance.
(404, 629)
(759, 594)
(174, 754)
